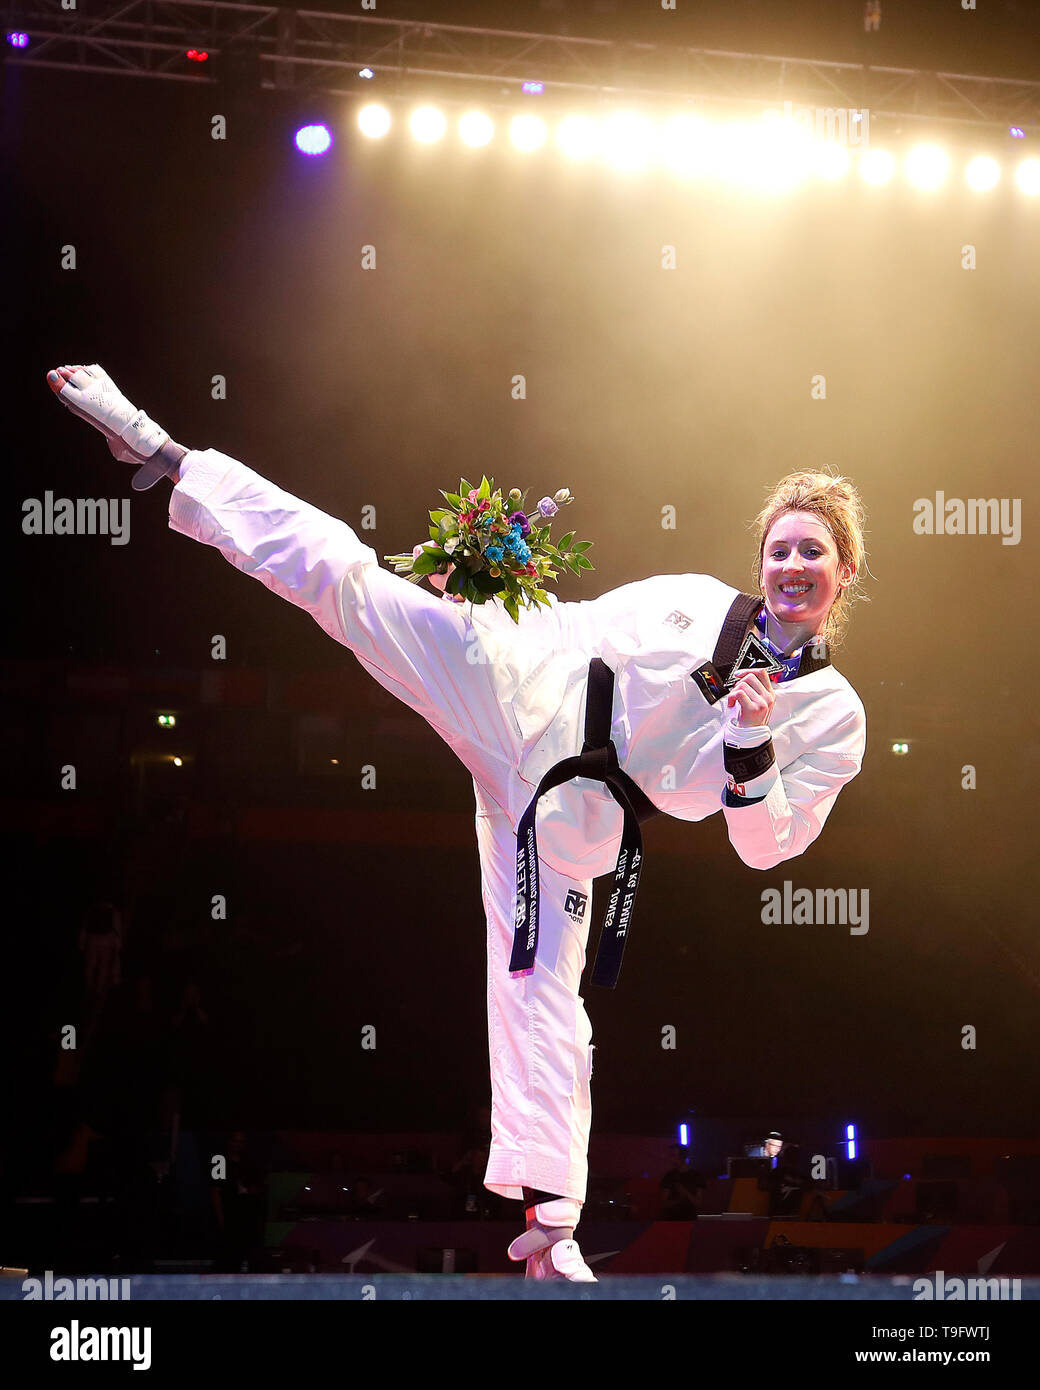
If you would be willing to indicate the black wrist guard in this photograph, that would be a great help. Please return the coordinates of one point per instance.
(745, 764)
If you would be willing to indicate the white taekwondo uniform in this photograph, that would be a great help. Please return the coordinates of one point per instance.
(510, 699)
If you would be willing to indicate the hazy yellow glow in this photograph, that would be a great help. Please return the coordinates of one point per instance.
(1028, 176)
(527, 132)
(877, 166)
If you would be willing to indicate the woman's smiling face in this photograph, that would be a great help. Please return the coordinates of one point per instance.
(800, 570)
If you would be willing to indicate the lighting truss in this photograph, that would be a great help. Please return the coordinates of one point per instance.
(312, 51)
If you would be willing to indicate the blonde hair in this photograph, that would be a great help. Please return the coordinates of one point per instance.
(836, 501)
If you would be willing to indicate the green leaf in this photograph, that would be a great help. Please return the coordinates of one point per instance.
(512, 608)
(585, 564)
(565, 541)
(582, 545)
(456, 580)
(484, 491)
(424, 563)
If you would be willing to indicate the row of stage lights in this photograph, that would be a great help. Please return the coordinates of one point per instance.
(771, 153)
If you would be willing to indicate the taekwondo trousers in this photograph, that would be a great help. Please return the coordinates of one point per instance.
(415, 644)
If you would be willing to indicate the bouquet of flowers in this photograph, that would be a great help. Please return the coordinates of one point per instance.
(485, 547)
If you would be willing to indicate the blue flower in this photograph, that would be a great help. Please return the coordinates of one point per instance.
(494, 552)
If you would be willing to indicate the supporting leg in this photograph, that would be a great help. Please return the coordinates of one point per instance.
(539, 1034)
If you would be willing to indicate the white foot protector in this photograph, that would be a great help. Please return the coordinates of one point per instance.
(132, 437)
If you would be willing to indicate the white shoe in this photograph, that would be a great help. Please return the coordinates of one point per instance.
(548, 1245)
(563, 1260)
(132, 437)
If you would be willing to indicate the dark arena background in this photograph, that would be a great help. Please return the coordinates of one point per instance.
(246, 976)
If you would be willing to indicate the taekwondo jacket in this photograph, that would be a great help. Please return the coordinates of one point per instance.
(652, 634)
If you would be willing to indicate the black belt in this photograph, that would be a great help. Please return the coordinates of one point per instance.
(598, 761)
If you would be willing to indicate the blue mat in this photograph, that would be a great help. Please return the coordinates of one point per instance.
(432, 1287)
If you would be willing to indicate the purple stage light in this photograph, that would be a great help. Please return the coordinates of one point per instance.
(18, 39)
(313, 139)
(1017, 132)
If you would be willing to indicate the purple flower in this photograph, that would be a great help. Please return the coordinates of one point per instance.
(547, 507)
(519, 519)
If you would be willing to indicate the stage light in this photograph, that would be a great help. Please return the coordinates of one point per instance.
(768, 156)
(684, 1135)
(18, 39)
(427, 124)
(982, 173)
(877, 166)
(926, 167)
(366, 73)
(578, 137)
(784, 154)
(533, 89)
(1028, 176)
(627, 140)
(850, 1135)
(373, 121)
(527, 132)
(687, 145)
(475, 128)
(1017, 133)
(900, 748)
(313, 139)
(166, 721)
(197, 55)
(177, 762)
(733, 157)
(831, 160)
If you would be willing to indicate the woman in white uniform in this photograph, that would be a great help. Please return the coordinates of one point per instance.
(692, 698)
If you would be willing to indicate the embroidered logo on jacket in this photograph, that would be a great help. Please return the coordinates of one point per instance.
(575, 905)
(680, 620)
